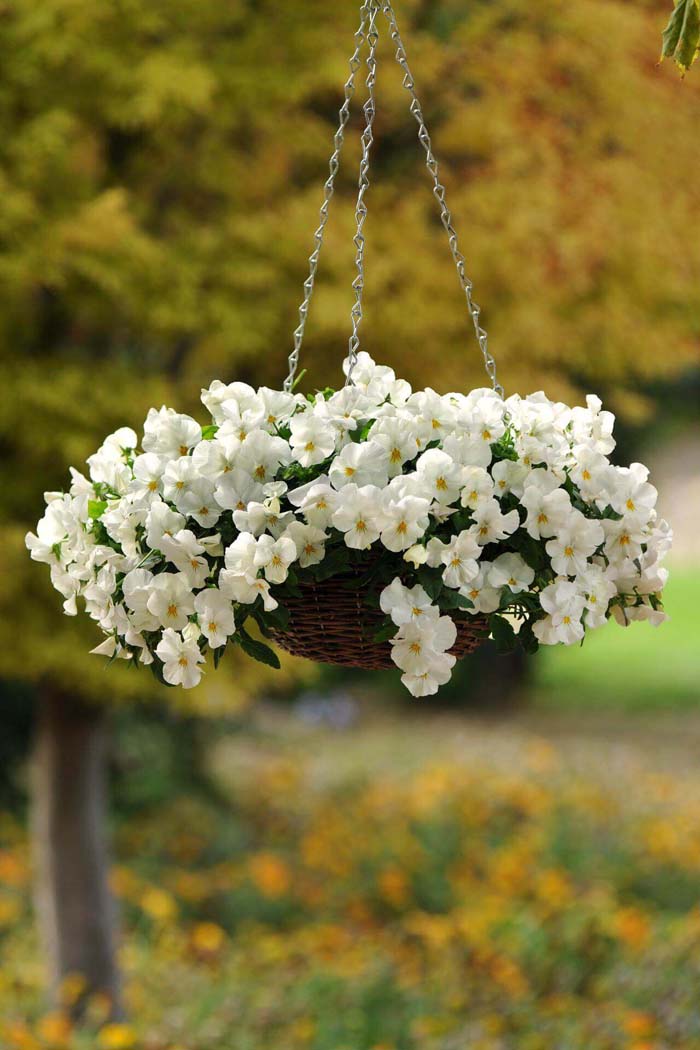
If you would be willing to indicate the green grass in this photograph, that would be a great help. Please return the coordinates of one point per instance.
(638, 667)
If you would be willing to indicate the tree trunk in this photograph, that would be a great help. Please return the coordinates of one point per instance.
(75, 908)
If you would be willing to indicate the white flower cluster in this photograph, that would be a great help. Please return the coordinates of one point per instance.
(471, 504)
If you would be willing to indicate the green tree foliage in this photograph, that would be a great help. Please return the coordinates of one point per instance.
(160, 175)
(681, 37)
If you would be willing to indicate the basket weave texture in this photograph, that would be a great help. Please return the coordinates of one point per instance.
(330, 623)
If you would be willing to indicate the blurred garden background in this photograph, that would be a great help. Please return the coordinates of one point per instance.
(304, 859)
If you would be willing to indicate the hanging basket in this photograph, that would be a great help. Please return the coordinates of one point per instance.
(370, 527)
(332, 622)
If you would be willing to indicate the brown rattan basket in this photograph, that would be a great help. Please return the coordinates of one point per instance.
(330, 623)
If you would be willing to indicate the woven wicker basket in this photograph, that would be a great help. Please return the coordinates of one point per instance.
(330, 623)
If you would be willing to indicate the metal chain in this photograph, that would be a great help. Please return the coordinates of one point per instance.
(369, 110)
(334, 163)
(439, 192)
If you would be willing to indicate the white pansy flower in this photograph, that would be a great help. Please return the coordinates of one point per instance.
(213, 399)
(403, 522)
(597, 590)
(623, 540)
(246, 589)
(630, 493)
(239, 558)
(416, 555)
(162, 521)
(309, 542)
(312, 439)
(510, 570)
(491, 524)
(186, 553)
(590, 471)
(460, 558)
(359, 516)
(485, 597)
(360, 463)
(564, 603)
(405, 604)
(263, 517)
(177, 476)
(235, 489)
(171, 600)
(170, 433)
(180, 659)
(215, 614)
(417, 644)
(478, 487)
(318, 503)
(199, 502)
(548, 506)
(439, 475)
(262, 454)
(397, 440)
(573, 545)
(274, 557)
(216, 457)
(509, 476)
(147, 483)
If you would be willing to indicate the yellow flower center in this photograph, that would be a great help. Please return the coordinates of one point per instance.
(436, 424)
(567, 619)
(569, 552)
(276, 560)
(183, 450)
(483, 531)
(402, 527)
(260, 472)
(213, 626)
(542, 518)
(586, 475)
(395, 456)
(349, 471)
(361, 525)
(455, 561)
(172, 609)
(624, 539)
(309, 446)
(486, 435)
(416, 611)
(152, 486)
(183, 661)
(441, 484)
(630, 504)
(179, 484)
(415, 647)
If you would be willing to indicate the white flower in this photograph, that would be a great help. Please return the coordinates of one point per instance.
(439, 672)
(405, 604)
(491, 524)
(170, 600)
(240, 555)
(185, 552)
(416, 555)
(418, 642)
(148, 471)
(274, 557)
(510, 570)
(161, 521)
(478, 487)
(312, 439)
(218, 393)
(169, 433)
(278, 406)
(136, 588)
(236, 489)
(395, 435)
(459, 557)
(178, 475)
(359, 516)
(623, 540)
(593, 427)
(597, 590)
(486, 598)
(246, 589)
(590, 471)
(180, 660)
(574, 544)
(625, 615)
(548, 506)
(215, 615)
(215, 457)
(439, 475)
(309, 542)
(318, 504)
(404, 521)
(360, 463)
(630, 493)
(509, 476)
(263, 517)
(262, 454)
(564, 603)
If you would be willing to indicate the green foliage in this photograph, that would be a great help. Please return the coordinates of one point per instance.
(681, 37)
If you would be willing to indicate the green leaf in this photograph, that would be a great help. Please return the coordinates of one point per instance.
(503, 634)
(431, 581)
(96, 508)
(450, 599)
(385, 633)
(209, 432)
(681, 37)
(258, 650)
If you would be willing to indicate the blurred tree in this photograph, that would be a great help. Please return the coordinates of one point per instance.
(160, 171)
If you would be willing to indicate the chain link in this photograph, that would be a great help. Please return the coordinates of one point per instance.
(329, 187)
(369, 110)
(439, 192)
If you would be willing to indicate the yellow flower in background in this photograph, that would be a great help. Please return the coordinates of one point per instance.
(632, 927)
(116, 1037)
(208, 938)
(394, 886)
(269, 874)
(159, 904)
(55, 1029)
